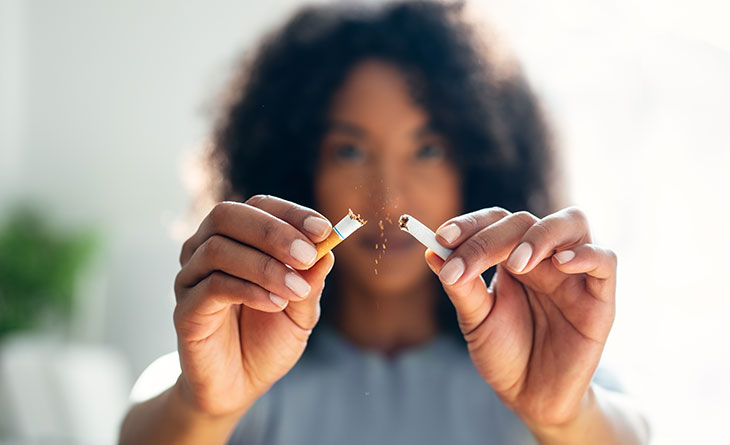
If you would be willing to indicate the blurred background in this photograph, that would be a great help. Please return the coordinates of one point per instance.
(103, 104)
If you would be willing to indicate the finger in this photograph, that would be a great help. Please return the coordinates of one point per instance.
(457, 229)
(434, 261)
(219, 253)
(472, 300)
(598, 263)
(305, 314)
(257, 228)
(310, 222)
(484, 249)
(563, 229)
(215, 293)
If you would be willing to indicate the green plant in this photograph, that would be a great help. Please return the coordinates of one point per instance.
(39, 267)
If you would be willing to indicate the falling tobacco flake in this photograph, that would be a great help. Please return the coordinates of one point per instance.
(382, 228)
(384, 239)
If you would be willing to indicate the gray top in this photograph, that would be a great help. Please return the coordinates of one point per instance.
(340, 394)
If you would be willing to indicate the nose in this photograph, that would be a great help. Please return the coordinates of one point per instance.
(388, 189)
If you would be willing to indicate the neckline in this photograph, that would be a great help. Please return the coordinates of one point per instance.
(334, 343)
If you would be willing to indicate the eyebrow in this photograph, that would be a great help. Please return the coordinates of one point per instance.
(359, 132)
(347, 128)
(426, 130)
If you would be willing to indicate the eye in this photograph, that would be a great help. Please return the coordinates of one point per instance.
(431, 151)
(349, 153)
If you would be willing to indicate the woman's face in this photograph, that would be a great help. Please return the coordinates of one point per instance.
(380, 158)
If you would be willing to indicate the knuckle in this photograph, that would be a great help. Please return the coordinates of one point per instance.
(484, 217)
(184, 252)
(269, 233)
(577, 213)
(212, 249)
(292, 213)
(215, 283)
(612, 257)
(220, 213)
(256, 200)
(499, 211)
(178, 286)
(268, 267)
(524, 218)
(471, 219)
(540, 230)
(478, 246)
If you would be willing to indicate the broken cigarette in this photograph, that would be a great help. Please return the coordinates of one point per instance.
(346, 227)
(423, 234)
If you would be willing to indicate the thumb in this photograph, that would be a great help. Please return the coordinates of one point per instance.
(471, 299)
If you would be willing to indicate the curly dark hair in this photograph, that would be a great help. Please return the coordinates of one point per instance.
(278, 107)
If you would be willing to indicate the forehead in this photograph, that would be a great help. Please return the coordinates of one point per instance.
(376, 96)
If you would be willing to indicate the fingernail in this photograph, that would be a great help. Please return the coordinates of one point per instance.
(564, 256)
(317, 226)
(449, 232)
(297, 284)
(303, 252)
(520, 257)
(277, 300)
(452, 271)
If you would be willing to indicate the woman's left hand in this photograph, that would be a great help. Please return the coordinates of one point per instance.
(537, 332)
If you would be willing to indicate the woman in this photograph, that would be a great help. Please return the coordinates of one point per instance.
(388, 110)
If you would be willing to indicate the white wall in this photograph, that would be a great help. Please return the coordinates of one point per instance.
(104, 98)
(640, 93)
(12, 93)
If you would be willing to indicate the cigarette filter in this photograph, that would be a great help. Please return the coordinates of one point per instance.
(346, 227)
(423, 234)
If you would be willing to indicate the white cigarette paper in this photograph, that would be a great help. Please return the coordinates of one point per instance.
(346, 227)
(424, 235)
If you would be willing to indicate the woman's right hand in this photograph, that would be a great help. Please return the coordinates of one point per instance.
(247, 300)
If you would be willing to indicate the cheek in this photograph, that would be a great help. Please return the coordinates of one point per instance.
(438, 194)
(335, 193)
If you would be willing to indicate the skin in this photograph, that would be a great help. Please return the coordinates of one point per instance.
(535, 334)
(380, 164)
